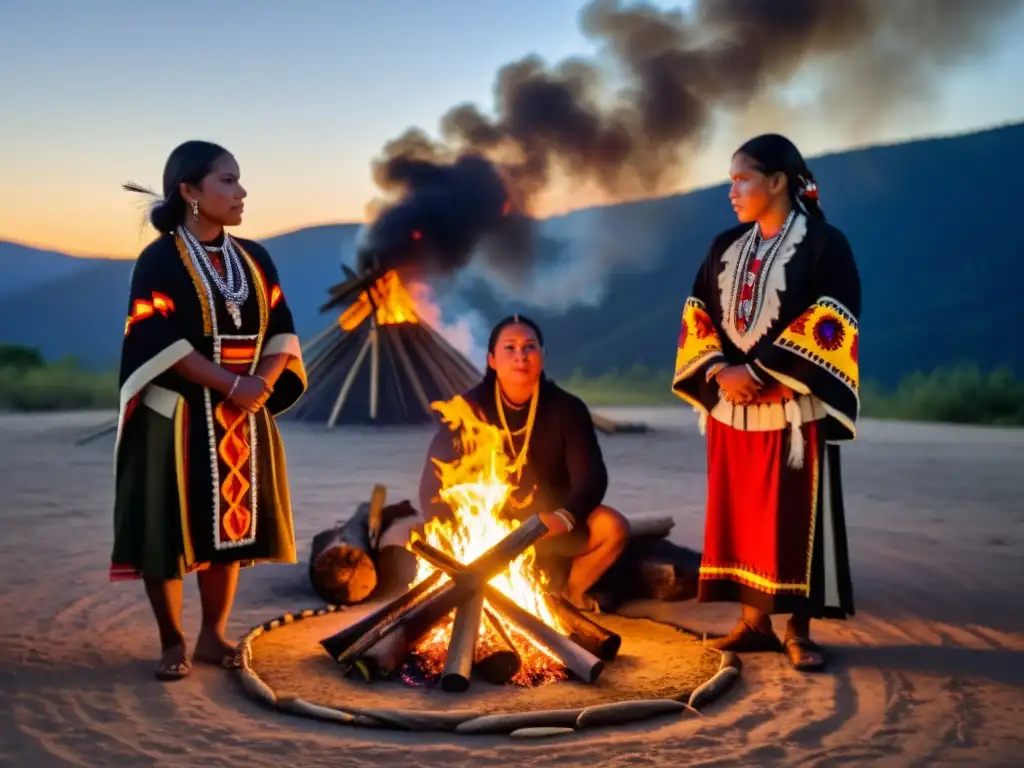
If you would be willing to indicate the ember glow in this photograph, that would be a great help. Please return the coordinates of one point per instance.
(394, 304)
(476, 487)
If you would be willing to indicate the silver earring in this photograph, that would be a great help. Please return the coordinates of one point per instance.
(195, 210)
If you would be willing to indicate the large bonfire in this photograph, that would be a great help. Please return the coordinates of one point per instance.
(476, 486)
(389, 301)
(477, 602)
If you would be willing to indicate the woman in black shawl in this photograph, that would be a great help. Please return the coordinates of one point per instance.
(209, 359)
(768, 355)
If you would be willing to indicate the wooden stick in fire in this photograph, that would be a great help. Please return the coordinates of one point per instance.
(458, 662)
(577, 659)
(583, 631)
(497, 660)
(587, 633)
(415, 621)
(339, 642)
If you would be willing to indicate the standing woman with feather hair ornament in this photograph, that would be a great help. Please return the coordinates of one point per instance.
(768, 355)
(209, 359)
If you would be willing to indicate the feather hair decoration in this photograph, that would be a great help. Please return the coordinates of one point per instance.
(147, 206)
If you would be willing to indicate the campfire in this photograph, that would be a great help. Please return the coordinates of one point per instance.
(387, 299)
(477, 603)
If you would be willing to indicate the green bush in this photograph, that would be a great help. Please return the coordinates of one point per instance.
(26, 385)
(638, 386)
(17, 356)
(963, 394)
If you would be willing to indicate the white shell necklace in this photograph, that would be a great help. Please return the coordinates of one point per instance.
(234, 286)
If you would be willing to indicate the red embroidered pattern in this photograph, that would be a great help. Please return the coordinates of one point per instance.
(747, 293)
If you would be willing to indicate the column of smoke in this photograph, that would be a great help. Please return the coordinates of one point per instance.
(674, 72)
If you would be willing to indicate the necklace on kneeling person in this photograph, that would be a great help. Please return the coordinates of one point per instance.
(519, 460)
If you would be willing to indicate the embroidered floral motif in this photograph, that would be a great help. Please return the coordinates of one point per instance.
(702, 325)
(833, 342)
(799, 326)
(698, 340)
(829, 333)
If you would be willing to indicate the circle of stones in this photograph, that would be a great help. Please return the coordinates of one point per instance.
(535, 724)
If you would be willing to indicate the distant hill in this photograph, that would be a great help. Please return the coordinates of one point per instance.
(933, 234)
(23, 267)
(94, 297)
(929, 221)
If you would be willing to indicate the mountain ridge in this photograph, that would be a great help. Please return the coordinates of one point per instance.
(926, 220)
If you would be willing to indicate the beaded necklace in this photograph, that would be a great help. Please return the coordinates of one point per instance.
(234, 286)
(748, 288)
(531, 417)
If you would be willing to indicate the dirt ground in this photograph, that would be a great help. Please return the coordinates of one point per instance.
(929, 672)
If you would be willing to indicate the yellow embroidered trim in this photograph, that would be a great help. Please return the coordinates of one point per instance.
(197, 282)
(752, 579)
(698, 340)
(181, 465)
(260, 288)
(826, 335)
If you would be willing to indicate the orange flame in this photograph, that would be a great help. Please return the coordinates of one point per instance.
(476, 488)
(394, 304)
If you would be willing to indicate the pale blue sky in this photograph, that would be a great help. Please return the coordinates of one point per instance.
(304, 93)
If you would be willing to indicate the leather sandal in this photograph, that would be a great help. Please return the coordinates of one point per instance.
(168, 670)
(804, 654)
(746, 638)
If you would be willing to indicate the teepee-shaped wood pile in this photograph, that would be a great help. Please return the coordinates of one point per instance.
(380, 363)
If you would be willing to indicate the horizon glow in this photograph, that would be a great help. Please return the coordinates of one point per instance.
(306, 100)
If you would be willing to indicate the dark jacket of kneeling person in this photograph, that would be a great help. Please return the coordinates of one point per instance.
(564, 466)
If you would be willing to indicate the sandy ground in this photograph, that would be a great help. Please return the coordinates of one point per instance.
(930, 672)
(656, 661)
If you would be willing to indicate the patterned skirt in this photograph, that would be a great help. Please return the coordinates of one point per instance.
(775, 535)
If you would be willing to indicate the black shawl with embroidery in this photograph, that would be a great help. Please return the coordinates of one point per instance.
(804, 328)
(230, 483)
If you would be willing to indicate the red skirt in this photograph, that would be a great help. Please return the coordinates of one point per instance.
(775, 536)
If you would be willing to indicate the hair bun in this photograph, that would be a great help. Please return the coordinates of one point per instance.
(165, 216)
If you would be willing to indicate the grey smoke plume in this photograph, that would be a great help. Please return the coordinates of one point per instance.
(632, 128)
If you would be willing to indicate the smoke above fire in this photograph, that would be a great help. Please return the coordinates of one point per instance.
(630, 123)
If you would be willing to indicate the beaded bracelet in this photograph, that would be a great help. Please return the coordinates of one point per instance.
(234, 385)
(564, 517)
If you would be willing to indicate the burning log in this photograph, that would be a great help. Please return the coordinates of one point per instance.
(587, 633)
(576, 659)
(458, 663)
(414, 621)
(338, 643)
(488, 598)
(497, 660)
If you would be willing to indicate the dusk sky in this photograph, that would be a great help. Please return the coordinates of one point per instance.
(305, 94)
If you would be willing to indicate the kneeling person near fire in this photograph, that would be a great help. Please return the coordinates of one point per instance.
(550, 439)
